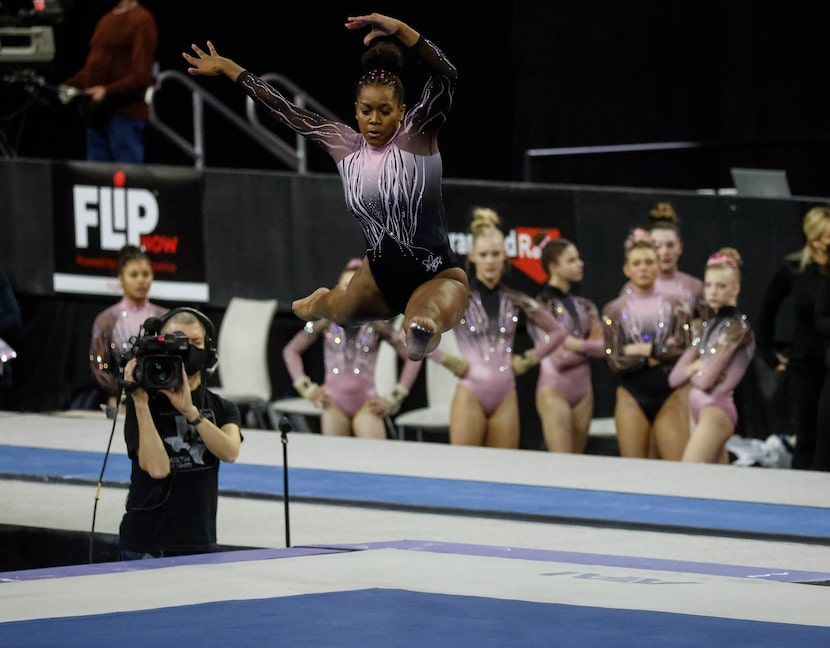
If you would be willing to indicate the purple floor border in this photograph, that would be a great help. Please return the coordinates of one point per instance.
(490, 551)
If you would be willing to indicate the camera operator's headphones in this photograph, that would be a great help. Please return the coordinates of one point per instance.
(212, 359)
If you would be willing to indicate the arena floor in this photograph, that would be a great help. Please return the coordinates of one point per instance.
(401, 543)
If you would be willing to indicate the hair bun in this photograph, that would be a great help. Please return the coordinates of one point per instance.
(483, 218)
(726, 255)
(383, 55)
(663, 212)
(637, 235)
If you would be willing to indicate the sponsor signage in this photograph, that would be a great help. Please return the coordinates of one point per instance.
(101, 207)
(522, 253)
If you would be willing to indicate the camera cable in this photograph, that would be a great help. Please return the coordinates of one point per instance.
(101, 478)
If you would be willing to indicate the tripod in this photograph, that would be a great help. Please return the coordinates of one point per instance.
(31, 86)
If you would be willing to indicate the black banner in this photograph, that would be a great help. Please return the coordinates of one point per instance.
(98, 208)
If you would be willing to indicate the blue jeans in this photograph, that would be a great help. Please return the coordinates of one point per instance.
(121, 140)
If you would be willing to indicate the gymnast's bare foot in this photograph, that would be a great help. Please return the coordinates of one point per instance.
(422, 338)
(306, 308)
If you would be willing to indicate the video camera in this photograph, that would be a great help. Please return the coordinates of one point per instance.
(159, 359)
(26, 30)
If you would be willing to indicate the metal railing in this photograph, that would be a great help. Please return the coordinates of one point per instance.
(710, 160)
(292, 155)
(571, 151)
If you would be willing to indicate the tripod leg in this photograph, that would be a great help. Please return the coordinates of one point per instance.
(6, 150)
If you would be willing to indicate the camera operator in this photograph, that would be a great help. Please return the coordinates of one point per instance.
(176, 438)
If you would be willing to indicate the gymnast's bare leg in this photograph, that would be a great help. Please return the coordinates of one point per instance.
(435, 307)
(358, 302)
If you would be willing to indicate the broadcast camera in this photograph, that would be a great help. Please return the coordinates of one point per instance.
(26, 34)
(159, 360)
(27, 48)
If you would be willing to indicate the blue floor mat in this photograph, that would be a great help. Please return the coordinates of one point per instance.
(379, 618)
(751, 519)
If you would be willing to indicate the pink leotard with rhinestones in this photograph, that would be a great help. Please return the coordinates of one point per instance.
(726, 344)
(662, 320)
(350, 356)
(569, 372)
(112, 333)
(679, 284)
(649, 316)
(487, 343)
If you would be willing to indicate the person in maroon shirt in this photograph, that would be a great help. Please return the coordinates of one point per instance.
(114, 81)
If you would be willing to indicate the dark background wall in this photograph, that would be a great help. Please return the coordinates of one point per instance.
(750, 78)
(747, 77)
(278, 234)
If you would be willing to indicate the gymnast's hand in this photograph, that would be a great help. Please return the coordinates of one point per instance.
(381, 26)
(210, 63)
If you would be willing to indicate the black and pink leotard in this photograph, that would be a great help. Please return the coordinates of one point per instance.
(486, 335)
(394, 191)
(569, 372)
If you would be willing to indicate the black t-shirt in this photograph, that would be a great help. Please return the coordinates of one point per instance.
(177, 514)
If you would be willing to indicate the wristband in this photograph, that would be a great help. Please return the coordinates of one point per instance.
(396, 397)
(523, 363)
(305, 386)
(197, 420)
(458, 366)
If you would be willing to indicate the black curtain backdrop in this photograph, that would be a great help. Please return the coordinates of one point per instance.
(533, 74)
(729, 72)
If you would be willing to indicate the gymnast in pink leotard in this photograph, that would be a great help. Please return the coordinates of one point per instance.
(722, 348)
(564, 393)
(348, 396)
(645, 333)
(116, 327)
(485, 409)
(664, 231)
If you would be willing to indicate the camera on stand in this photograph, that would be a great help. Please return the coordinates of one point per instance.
(26, 34)
(159, 360)
(27, 49)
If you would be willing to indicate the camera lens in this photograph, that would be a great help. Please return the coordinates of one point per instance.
(159, 372)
